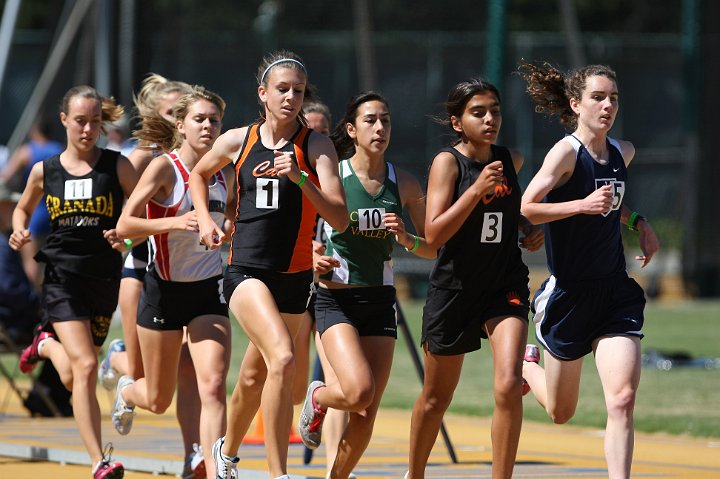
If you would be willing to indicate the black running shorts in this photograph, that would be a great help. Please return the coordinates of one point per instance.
(171, 305)
(71, 297)
(291, 291)
(370, 310)
(453, 320)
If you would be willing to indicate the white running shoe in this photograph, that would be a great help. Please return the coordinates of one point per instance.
(225, 467)
(107, 375)
(311, 418)
(122, 416)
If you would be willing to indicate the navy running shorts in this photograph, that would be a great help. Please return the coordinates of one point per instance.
(136, 262)
(570, 316)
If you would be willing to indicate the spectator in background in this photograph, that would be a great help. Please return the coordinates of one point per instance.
(19, 305)
(4, 156)
(118, 137)
(38, 148)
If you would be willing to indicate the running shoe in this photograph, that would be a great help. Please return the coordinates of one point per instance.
(106, 468)
(122, 416)
(107, 375)
(195, 465)
(30, 355)
(311, 418)
(532, 355)
(225, 467)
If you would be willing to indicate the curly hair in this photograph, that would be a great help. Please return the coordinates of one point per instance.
(551, 90)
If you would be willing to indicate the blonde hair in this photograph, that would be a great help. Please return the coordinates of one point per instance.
(147, 103)
(154, 88)
(156, 130)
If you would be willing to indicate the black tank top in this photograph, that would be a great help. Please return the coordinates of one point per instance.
(80, 208)
(274, 224)
(484, 253)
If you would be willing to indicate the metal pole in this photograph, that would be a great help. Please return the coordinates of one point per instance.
(363, 32)
(103, 66)
(52, 66)
(495, 46)
(7, 27)
(126, 51)
(403, 326)
(571, 29)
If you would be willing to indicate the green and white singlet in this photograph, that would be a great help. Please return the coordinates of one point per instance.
(365, 247)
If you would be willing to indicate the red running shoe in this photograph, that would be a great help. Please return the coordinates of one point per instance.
(106, 468)
(30, 356)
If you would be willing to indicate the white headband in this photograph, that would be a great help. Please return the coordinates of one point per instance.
(282, 60)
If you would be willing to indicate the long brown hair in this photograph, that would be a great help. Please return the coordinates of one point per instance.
(110, 111)
(459, 96)
(284, 59)
(551, 90)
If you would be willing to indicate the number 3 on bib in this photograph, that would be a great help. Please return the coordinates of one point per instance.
(492, 227)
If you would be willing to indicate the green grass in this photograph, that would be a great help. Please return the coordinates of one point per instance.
(679, 401)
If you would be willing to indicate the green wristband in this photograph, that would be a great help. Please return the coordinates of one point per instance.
(633, 220)
(303, 177)
(416, 245)
(128, 243)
